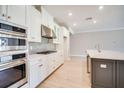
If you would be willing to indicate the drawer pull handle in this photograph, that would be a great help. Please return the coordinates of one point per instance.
(9, 17)
(41, 65)
(3, 15)
(103, 66)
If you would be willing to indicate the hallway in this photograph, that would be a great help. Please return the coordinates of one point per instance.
(72, 74)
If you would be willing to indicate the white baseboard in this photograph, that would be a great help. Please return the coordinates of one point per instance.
(80, 56)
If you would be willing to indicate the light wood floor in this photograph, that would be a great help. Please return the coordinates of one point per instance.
(70, 75)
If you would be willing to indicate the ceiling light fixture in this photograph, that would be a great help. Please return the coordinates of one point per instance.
(70, 14)
(94, 21)
(74, 24)
(101, 7)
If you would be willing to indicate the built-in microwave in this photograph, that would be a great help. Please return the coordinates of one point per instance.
(8, 43)
(12, 37)
(13, 30)
(13, 70)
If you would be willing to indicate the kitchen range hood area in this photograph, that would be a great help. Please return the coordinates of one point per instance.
(47, 32)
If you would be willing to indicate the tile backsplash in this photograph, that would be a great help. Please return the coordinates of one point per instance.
(45, 44)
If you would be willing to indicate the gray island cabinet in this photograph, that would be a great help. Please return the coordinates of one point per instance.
(106, 71)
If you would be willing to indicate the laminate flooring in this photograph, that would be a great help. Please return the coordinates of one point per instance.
(72, 74)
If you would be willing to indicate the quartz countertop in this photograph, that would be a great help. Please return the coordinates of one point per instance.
(106, 54)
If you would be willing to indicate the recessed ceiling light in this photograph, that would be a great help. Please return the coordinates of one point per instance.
(101, 7)
(74, 24)
(94, 21)
(70, 14)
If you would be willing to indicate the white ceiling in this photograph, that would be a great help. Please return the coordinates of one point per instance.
(111, 17)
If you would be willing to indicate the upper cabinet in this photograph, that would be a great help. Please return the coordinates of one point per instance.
(17, 14)
(34, 24)
(14, 13)
(65, 32)
(47, 19)
(3, 10)
(57, 30)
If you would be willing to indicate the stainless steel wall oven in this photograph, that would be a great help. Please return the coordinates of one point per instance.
(13, 59)
(13, 70)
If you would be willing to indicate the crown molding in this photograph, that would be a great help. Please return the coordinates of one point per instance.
(99, 30)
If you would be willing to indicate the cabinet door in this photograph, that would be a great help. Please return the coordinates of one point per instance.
(103, 73)
(120, 74)
(57, 32)
(34, 24)
(44, 17)
(42, 71)
(34, 80)
(50, 21)
(17, 14)
(47, 19)
(3, 10)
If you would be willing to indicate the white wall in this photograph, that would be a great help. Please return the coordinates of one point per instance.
(109, 40)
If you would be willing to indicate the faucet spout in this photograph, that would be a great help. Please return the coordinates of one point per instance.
(98, 48)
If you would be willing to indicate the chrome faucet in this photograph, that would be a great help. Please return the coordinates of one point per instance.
(97, 46)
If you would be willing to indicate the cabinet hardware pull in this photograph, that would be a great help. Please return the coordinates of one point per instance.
(23, 60)
(3, 15)
(9, 17)
(41, 65)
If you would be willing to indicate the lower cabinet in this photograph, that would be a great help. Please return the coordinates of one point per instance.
(107, 73)
(37, 73)
(34, 74)
(120, 74)
(41, 68)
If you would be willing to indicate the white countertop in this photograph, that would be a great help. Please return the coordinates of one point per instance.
(33, 57)
(105, 54)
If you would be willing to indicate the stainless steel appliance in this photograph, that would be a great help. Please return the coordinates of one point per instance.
(12, 37)
(13, 70)
(8, 42)
(47, 32)
(7, 28)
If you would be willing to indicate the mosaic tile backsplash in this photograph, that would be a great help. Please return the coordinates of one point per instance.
(45, 44)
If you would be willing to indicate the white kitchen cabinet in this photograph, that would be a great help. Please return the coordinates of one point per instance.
(3, 12)
(66, 43)
(44, 17)
(34, 75)
(34, 24)
(13, 13)
(47, 19)
(56, 30)
(17, 14)
(38, 70)
(65, 32)
(42, 70)
(50, 21)
(41, 66)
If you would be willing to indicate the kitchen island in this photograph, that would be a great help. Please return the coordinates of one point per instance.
(106, 68)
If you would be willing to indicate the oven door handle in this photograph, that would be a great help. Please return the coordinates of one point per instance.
(11, 64)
